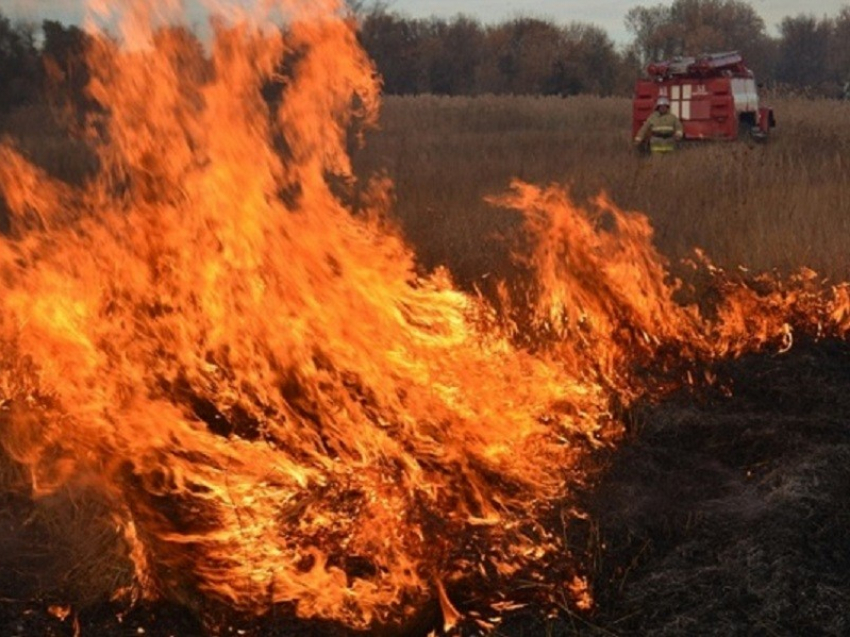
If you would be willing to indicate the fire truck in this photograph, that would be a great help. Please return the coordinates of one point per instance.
(714, 96)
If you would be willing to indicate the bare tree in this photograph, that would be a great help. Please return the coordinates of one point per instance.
(803, 51)
(395, 45)
(839, 50)
(691, 27)
(653, 32)
(19, 68)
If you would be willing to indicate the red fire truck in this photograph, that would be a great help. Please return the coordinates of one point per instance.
(713, 95)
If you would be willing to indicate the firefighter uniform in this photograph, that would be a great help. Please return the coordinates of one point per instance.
(664, 130)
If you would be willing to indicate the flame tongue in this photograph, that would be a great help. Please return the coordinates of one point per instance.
(279, 410)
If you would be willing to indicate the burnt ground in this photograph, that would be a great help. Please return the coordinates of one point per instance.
(718, 515)
(727, 515)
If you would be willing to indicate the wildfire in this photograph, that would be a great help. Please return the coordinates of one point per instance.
(276, 407)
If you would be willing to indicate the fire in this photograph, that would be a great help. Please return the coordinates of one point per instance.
(277, 408)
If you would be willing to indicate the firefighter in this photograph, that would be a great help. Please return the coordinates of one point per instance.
(663, 128)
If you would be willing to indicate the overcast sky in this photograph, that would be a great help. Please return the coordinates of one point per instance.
(608, 14)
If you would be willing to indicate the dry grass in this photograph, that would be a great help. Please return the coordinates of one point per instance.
(37, 132)
(781, 205)
(64, 547)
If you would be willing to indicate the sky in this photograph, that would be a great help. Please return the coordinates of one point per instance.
(608, 14)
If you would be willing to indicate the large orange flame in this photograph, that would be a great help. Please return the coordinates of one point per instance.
(278, 408)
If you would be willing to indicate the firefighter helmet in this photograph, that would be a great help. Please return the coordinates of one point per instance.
(662, 101)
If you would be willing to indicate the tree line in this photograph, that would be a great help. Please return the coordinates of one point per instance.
(40, 63)
(534, 56)
(524, 55)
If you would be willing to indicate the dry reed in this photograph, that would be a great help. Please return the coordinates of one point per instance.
(779, 205)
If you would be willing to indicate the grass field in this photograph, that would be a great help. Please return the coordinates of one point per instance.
(782, 205)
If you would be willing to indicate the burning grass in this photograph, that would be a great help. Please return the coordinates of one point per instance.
(721, 512)
(224, 367)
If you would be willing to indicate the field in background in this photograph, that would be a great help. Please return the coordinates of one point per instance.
(783, 204)
(779, 205)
